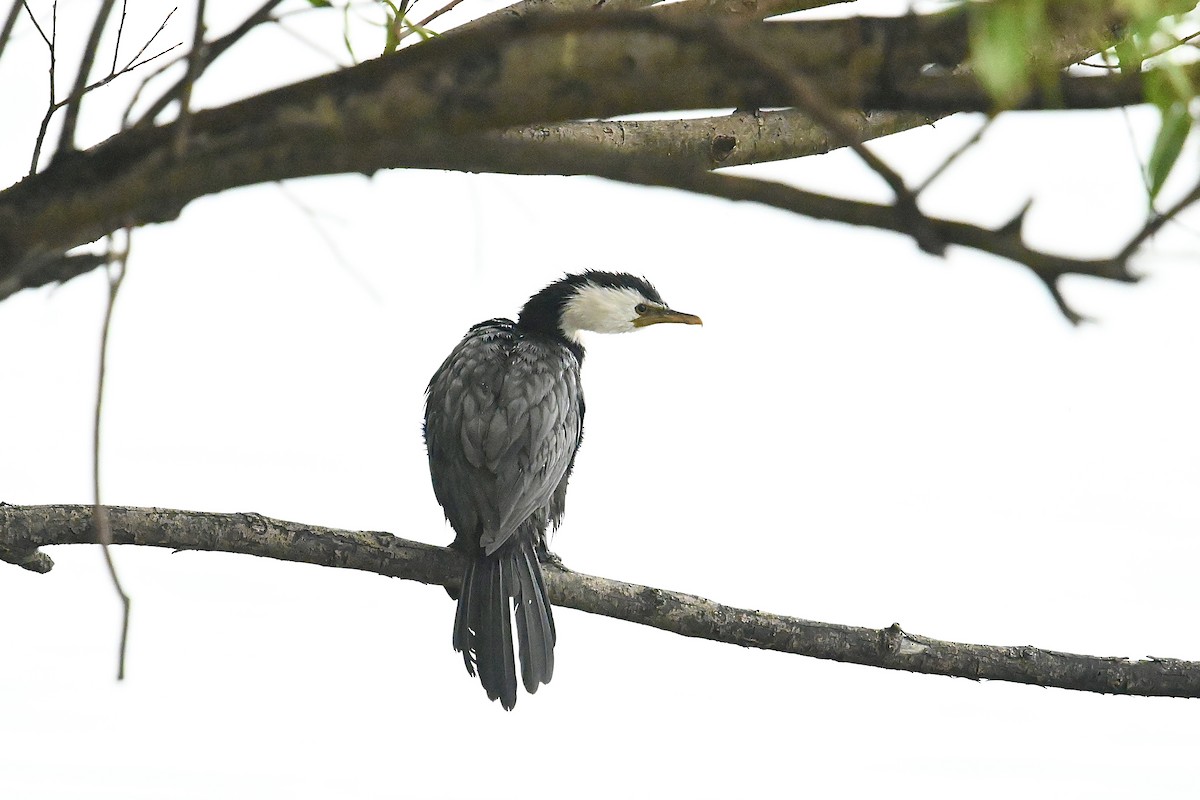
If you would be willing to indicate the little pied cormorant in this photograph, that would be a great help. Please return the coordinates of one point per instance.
(503, 421)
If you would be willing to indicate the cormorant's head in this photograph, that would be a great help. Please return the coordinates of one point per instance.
(605, 302)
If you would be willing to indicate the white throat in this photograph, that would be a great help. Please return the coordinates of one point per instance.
(601, 309)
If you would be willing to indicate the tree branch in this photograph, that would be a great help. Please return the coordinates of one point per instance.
(729, 140)
(198, 62)
(66, 140)
(415, 107)
(23, 529)
(523, 8)
(10, 21)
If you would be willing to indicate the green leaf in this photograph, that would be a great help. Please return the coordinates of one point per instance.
(346, 33)
(1129, 56)
(1181, 85)
(393, 17)
(1176, 124)
(320, 3)
(1005, 38)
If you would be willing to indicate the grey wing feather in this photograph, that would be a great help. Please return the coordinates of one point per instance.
(503, 421)
(542, 453)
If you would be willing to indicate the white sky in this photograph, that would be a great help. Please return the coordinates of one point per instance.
(860, 434)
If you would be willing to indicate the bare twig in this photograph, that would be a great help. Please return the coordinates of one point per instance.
(33, 19)
(212, 51)
(120, 32)
(116, 273)
(950, 159)
(329, 55)
(1155, 223)
(183, 123)
(10, 21)
(134, 62)
(23, 529)
(1153, 54)
(331, 244)
(51, 105)
(408, 29)
(66, 139)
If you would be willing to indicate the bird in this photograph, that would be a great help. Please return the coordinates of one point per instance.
(503, 423)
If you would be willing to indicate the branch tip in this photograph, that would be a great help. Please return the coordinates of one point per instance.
(1072, 316)
(1015, 225)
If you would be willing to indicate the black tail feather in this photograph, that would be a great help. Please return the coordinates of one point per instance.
(483, 622)
(535, 624)
(464, 621)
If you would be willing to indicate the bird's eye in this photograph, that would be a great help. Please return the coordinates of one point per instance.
(641, 308)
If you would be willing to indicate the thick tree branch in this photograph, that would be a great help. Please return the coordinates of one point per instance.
(151, 198)
(730, 140)
(523, 8)
(407, 109)
(1005, 241)
(23, 529)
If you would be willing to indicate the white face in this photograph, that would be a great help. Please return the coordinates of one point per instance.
(601, 309)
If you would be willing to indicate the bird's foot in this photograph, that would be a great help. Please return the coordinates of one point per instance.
(544, 556)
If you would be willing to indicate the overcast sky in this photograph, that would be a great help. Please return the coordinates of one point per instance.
(859, 434)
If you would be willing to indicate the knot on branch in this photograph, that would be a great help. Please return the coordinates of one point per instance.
(894, 641)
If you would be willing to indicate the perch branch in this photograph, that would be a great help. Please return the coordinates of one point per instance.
(24, 529)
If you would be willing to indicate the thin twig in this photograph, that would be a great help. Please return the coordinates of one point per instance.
(74, 97)
(161, 27)
(950, 159)
(116, 274)
(37, 149)
(183, 123)
(1161, 51)
(66, 139)
(9, 22)
(1155, 224)
(120, 31)
(318, 226)
(211, 52)
(411, 29)
(323, 52)
(51, 105)
(33, 19)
